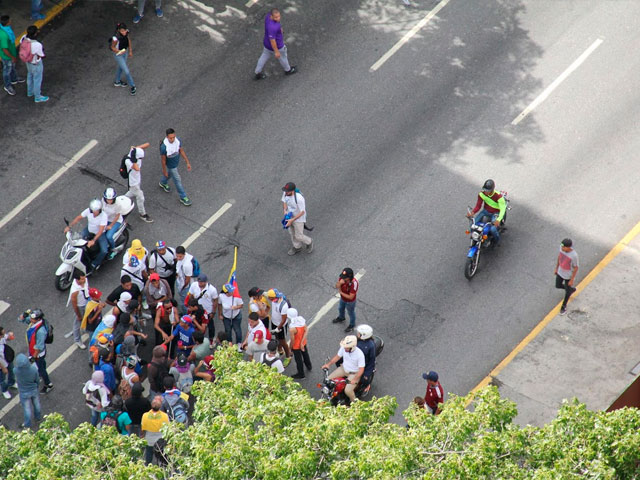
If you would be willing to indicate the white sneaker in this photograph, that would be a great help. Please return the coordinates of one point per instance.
(6, 394)
(81, 345)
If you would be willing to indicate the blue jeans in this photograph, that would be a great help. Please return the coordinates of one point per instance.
(31, 407)
(8, 72)
(110, 233)
(492, 216)
(95, 417)
(34, 79)
(8, 380)
(41, 363)
(121, 60)
(36, 6)
(102, 243)
(236, 325)
(175, 176)
(351, 308)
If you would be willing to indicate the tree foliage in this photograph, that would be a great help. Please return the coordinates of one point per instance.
(255, 423)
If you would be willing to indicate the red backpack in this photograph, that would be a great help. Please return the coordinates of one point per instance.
(25, 51)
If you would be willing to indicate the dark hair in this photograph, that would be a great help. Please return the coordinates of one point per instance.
(125, 279)
(170, 131)
(4, 19)
(193, 302)
(169, 382)
(198, 337)
(254, 316)
(167, 301)
(124, 319)
(274, 10)
(180, 249)
(272, 346)
(32, 31)
(567, 242)
(137, 390)
(121, 25)
(1, 330)
(222, 336)
(77, 274)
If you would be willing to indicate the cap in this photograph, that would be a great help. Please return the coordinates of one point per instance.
(433, 376)
(567, 242)
(182, 360)
(160, 244)
(346, 273)
(186, 319)
(256, 292)
(258, 335)
(125, 296)
(95, 293)
(274, 293)
(349, 341)
(154, 276)
(228, 288)
(289, 187)
(203, 278)
(208, 359)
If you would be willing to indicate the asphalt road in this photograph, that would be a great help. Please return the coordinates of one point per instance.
(388, 161)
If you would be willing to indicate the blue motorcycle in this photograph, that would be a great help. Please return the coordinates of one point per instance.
(481, 239)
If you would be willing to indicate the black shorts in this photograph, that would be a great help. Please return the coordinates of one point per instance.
(265, 322)
(282, 334)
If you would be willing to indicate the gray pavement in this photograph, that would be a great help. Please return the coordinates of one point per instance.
(388, 162)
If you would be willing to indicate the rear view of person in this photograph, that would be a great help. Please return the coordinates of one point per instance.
(174, 402)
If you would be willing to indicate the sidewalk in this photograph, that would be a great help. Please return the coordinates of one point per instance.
(586, 354)
(20, 13)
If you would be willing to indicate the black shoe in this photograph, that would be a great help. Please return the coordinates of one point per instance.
(348, 329)
(298, 376)
(47, 388)
(146, 218)
(133, 90)
(563, 310)
(260, 76)
(308, 367)
(292, 70)
(338, 320)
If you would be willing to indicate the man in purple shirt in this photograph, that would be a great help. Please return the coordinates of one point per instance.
(273, 45)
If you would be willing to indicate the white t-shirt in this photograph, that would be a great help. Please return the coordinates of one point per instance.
(36, 49)
(134, 175)
(135, 273)
(112, 210)
(353, 361)
(83, 293)
(184, 268)
(277, 364)
(277, 310)
(172, 148)
(294, 207)
(207, 299)
(160, 263)
(227, 302)
(258, 327)
(94, 223)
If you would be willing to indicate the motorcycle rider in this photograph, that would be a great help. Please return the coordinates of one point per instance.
(96, 224)
(353, 365)
(114, 217)
(491, 204)
(368, 347)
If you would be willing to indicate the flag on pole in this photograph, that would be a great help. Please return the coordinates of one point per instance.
(232, 275)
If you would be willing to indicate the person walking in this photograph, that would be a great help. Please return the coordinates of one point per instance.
(151, 425)
(434, 396)
(9, 55)
(273, 45)
(298, 335)
(566, 271)
(78, 298)
(140, 13)
(121, 47)
(7, 378)
(96, 395)
(293, 203)
(36, 6)
(134, 180)
(347, 285)
(36, 338)
(170, 152)
(35, 67)
(27, 377)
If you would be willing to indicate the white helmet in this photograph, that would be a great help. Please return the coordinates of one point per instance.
(109, 194)
(350, 341)
(95, 205)
(364, 331)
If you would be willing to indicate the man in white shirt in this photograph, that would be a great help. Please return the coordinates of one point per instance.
(78, 298)
(134, 164)
(96, 225)
(230, 312)
(293, 202)
(163, 262)
(35, 67)
(352, 366)
(207, 296)
(279, 322)
(184, 275)
(257, 339)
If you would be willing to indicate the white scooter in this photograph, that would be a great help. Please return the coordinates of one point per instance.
(76, 255)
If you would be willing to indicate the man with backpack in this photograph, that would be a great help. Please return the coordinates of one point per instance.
(162, 260)
(39, 334)
(32, 53)
(130, 169)
(174, 402)
(115, 416)
(182, 373)
(293, 203)
(271, 358)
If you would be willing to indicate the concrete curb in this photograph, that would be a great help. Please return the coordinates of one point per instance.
(51, 14)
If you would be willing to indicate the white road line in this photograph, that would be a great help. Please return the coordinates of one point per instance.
(33, 195)
(409, 35)
(251, 3)
(547, 91)
(331, 303)
(3, 306)
(206, 225)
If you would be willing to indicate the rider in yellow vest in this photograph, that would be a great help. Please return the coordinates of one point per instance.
(491, 204)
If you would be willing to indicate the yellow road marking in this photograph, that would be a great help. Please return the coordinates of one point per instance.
(53, 12)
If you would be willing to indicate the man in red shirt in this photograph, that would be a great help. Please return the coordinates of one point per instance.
(348, 287)
(435, 395)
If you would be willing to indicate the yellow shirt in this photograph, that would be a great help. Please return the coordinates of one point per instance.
(152, 423)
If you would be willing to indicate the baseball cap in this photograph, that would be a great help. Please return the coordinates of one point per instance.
(255, 291)
(346, 273)
(186, 319)
(258, 335)
(154, 276)
(182, 360)
(95, 293)
(203, 278)
(433, 376)
(161, 244)
(289, 187)
(228, 288)
(125, 296)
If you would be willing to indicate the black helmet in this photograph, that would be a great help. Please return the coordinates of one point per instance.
(489, 186)
(36, 314)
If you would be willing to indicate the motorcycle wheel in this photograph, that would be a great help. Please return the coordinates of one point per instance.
(341, 399)
(123, 241)
(64, 281)
(471, 267)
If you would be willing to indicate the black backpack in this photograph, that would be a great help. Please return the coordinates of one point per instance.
(49, 328)
(124, 171)
(162, 371)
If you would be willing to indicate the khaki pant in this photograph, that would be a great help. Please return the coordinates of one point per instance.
(349, 390)
(136, 192)
(298, 238)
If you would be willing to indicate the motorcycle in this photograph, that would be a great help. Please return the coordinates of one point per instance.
(481, 239)
(75, 253)
(333, 389)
